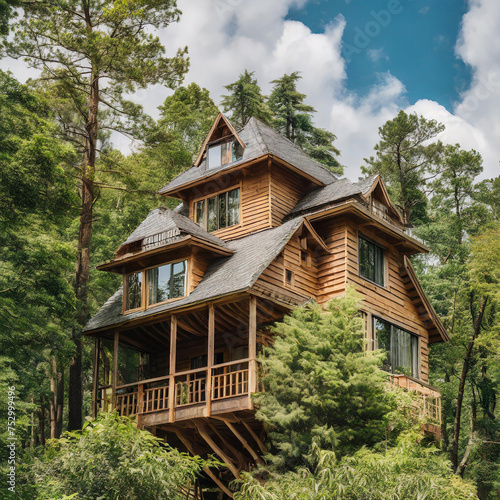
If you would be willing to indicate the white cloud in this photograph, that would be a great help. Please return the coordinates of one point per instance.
(225, 37)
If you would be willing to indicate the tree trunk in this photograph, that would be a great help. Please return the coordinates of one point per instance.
(41, 424)
(82, 269)
(59, 401)
(461, 386)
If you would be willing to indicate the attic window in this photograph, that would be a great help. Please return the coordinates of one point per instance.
(223, 153)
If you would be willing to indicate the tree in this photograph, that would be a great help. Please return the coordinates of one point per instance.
(406, 159)
(172, 143)
(245, 100)
(322, 389)
(94, 53)
(292, 118)
(109, 459)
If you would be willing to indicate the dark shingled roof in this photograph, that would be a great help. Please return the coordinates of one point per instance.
(163, 219)
(259, 140)
(252, 254)
(337, 191)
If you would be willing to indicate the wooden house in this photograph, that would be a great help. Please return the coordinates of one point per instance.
(261, 228)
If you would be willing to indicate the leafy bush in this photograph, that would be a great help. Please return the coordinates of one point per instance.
(408, 471)
(109, 459)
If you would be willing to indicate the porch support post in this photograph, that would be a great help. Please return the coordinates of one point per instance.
(252, 347)
(173, 361)
(115, 369)
(210, 357)
(95, 381)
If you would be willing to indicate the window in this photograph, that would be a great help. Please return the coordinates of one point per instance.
(371, 261)
(166, 282)
(133, 284)
(222, 154)
(219, 211)
(400, 345)
(162, 283)
(289, 277)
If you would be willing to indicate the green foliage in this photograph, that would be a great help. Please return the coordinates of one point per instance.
(322, 388)
(406, 471)
(405, 157)
(293, 119)
(109, 459)
(245, 100)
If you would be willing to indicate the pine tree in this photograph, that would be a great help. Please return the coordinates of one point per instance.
(322, 389)
(245, 100)
(406, 159)
(293, 119)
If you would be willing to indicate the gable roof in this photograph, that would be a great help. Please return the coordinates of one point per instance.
(251, 256)
(164, 220)
(220, 118)
(260, 140)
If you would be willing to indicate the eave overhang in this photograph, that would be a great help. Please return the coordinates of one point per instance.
(117, 265)
(399, 239)
(176, 192)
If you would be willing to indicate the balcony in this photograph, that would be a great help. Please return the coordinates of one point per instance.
(427, 405)
(196, 393)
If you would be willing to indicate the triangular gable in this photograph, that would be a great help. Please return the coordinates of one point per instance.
(437, 332)
(378, 188)
(215, 133)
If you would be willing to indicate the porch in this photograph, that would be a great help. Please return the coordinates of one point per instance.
(197, 364)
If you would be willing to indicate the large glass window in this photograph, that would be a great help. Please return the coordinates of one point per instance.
(222, 154)
(401, 347)
(166, 282)
(371, 261)
(219, 211)
(134, 291)
(133, 365)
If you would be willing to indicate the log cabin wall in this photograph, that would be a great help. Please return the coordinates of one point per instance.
(332, 266)
(286, 189)
(392, 302)
(305, 277)
(254, 185)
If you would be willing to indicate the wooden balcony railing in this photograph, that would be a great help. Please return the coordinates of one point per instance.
(153, 395)
(428, 406)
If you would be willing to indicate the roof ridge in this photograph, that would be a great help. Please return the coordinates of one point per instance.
(298, 148)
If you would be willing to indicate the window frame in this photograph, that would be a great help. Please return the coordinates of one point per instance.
(145, 286)
(392, 324)
(385, 253)
(204, 225)
(220, 143)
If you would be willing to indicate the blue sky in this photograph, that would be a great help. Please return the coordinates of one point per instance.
(416, 43)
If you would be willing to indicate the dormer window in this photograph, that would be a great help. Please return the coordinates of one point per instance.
(155, 285)
(219, 154)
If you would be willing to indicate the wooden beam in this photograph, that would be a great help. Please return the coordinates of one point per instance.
(95, 381)
(206, 470)
(115, 368)
(217, 450)
(244, 442)
(210, 358)
(260, 444)
(252, 347)
(171, 368)
(237, 454)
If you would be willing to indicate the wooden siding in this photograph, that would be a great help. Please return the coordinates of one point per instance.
(332, 266)
(286, 189)
(305, 282)
(391, 302)
(254, 199)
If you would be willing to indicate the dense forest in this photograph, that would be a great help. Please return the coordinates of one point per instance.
(68, 199)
